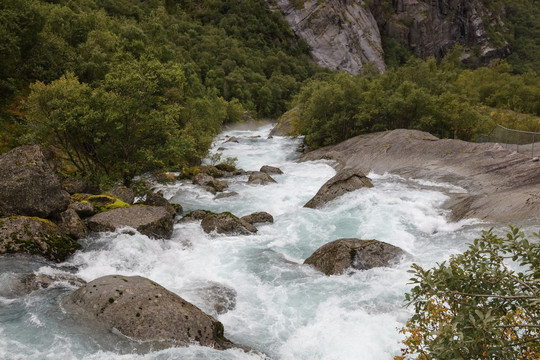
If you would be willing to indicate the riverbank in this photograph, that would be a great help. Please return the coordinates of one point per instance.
(502, 185)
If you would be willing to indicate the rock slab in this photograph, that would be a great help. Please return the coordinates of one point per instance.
(339, 255)
(145, 311)
(28, 185)
(153, 221)
(344, 181)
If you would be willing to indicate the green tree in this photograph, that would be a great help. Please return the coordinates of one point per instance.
(482, 304)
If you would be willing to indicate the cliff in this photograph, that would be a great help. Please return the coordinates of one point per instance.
(346, 35)
(343, 34)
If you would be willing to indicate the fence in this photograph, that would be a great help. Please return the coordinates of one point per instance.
(521, 141)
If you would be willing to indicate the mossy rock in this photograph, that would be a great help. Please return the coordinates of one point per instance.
(104, 203)
(33, 235)
(226, 167)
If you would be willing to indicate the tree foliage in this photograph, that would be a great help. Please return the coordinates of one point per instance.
(441, 98)
(482, 304)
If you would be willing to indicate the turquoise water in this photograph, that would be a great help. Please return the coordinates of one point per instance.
(284, 309)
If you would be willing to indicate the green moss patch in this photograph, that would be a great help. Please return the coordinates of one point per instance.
(104, 203)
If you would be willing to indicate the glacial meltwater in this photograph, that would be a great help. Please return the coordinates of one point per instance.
(284, 309)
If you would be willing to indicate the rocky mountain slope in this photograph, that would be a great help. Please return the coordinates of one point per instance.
(346, 35)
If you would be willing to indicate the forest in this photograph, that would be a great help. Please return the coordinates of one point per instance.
(124, 87)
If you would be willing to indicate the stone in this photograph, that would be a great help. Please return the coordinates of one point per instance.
(28, 185)
(226, 223)
(105, 202)
(157, 199)
(83, 208)
(32, 235)
(208, 181)
(25, 283)
(225, 195)
(122, 193)
(260, 178)
(195, 215)
(271, 170)
(258, 217)
(233, 139)
(216, 299)
(339, 255)
(71, 224)
(144, 311)
(153, 221)
(344, 181)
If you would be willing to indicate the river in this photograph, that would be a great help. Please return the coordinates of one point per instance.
(284, 309)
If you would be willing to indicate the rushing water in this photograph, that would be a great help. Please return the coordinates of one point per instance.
(283, 308)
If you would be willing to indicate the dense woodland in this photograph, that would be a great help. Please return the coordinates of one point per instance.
(124, 87)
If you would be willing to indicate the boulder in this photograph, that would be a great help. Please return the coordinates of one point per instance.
(258, 217)
(157, 199)
(25, 283)
(260, 178)
(345, 181)
(123, 193)
(31, 235)
(153, 221)
(226, 223)
(271, 170)
(233, 139)
(71, 224)
(83, 208)
(225, 195)
(195, 215)
(209, 183)
(337, 256)
(28, 185)
(215, 298)
(144, 311)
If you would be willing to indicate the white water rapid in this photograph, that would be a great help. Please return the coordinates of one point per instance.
(284, 309)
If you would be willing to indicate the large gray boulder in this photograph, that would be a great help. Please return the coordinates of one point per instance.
(71, 224)
(123, 193)
(345, 181)
(226, 223)
(157, 199)
(260, 178)
(28, 184)
(337, 256)
(153, 221)
(144, 311)
(31, 235)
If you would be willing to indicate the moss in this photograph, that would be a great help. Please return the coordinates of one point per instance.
(79, 197)
(104, 203)
(218, 331)
(111, 300)
(226, 167)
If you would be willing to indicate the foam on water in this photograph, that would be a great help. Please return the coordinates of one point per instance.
(284, 309)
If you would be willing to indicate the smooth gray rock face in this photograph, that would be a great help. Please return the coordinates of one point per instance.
(337, 256)
(28, 185)
(145, 311)
(226, 223)
(28, 235)
(344, 181)
(258, 217)
(343, 34)
(153, 221)
(260, 178)
(271, 170)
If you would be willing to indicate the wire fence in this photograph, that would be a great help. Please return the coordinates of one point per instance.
(525, 142)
